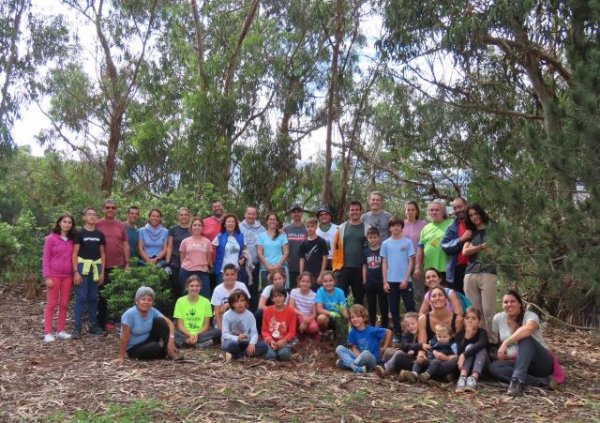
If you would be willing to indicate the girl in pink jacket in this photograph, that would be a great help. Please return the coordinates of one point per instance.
(57, 269)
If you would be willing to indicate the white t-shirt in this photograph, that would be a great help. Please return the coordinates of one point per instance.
(266, 292)
(304, 303)
(221, 294)
(328, 236)
(501, 328)
(232, 251)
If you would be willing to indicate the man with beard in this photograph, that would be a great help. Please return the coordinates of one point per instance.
(452, 243)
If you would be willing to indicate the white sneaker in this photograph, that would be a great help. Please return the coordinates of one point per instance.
(62, 335)
(49, 338)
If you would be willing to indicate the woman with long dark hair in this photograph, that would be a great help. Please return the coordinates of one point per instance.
(523, 357)
(57, 270)
(481, 280)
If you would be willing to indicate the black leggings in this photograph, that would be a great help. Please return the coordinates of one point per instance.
(152, 348)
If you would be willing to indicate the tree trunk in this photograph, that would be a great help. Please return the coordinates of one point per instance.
(326, 195)
(199, 46)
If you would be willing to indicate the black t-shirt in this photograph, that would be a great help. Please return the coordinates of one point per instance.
(372, 259)
(179, 234)
(313, 251)
(90, 242)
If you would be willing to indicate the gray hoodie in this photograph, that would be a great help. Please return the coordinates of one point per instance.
(251, 233)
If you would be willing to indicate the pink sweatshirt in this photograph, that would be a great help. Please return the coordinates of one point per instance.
(57, 259)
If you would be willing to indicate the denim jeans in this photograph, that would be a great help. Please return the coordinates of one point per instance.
(211, 333)
(238, 349)
(533, 365)
(351, 360)
(282, 354)
(86, 294)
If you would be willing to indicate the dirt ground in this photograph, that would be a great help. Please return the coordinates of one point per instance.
(77, 381)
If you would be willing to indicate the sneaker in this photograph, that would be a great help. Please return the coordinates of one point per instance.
(206, 344)
(515, 388)
(471, 384)
(76, 334)
(63, 336)
(95, 330)
(424, 377)
(461, 385)
(339, 364)
(228, 357)
(380, 371)
(408, 376)
(49, 338)
(359, 369)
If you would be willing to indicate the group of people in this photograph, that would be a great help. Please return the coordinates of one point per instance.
(259, 290)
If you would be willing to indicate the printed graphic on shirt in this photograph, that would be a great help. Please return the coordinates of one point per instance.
(277, 329)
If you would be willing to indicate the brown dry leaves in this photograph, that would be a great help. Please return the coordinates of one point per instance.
(39, 381)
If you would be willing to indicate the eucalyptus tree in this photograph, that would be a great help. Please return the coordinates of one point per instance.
(89, 107)
(524, 79)
(29, 41)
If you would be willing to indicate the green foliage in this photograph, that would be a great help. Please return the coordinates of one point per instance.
(9, 245)
(120, 292)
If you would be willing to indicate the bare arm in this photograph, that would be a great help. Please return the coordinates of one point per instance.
(455, 302)
(103, 264)
(286, 253)
(384, 269)
(125, 332)
(169, 249)
(469, 249)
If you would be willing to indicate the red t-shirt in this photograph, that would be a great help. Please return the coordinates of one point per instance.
(115, 235)
(211, 226)
(277, 325)
(462, 260)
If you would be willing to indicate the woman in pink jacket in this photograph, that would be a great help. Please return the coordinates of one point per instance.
(57, 269)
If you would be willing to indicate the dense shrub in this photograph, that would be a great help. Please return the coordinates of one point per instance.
(120, 292)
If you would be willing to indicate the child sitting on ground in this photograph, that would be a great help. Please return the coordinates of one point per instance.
(239, 334)
(330, 302)
(472, 344)
(222, 291)
(302, 300)
(279, 326)
(365, 342)
(441, 349)
(396, 360)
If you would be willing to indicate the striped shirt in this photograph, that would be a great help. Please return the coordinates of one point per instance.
(304, 303)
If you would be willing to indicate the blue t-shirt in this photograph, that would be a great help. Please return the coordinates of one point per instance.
(328, 300)
(272, 248)
(154, 240)
(397, 252)
(367, 339)
(139, 327)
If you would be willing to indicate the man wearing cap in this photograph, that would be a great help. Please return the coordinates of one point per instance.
(117, 254)
(377, 217)
(296, 234)
(326, 230)
(348, 245)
